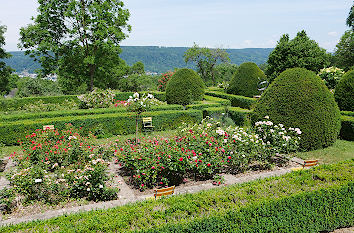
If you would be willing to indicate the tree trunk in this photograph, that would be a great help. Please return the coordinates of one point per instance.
(137, 128)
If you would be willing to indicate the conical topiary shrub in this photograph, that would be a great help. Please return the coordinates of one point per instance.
(246, 79)
(298, 98)
(344, 92)
(184, 87)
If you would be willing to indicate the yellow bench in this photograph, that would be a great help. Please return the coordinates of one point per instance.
(147, 123)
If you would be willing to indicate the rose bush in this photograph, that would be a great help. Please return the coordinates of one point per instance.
(163, 80)
(97, 99)
(331, 76)
(202, 151)
(56, 165)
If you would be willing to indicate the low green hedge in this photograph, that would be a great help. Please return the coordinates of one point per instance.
(313, 200)
(347, 113)
(347, 129)
(224, 102)
(112, 123)
(16, 103)
(236, 100)
(78, 112)
(238, 115)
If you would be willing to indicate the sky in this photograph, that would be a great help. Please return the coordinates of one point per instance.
(211, 23)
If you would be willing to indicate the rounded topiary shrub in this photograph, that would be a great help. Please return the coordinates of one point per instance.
(344, 92)
(184, 87)
(298, 98)
(246, 79)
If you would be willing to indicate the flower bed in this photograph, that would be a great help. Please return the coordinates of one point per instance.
(204, 150)
(58, 165)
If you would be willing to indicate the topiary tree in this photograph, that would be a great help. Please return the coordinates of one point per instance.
(184, 87)
(246, 79)
(344, 92)
(298, 98)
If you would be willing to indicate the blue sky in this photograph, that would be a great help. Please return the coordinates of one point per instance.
(212, 23)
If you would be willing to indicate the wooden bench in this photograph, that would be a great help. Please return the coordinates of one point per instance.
(164, 192)
(310, 163)
(147, 123)
(45, 127)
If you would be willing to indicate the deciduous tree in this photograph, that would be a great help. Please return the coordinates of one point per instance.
(77, 39)
(5, 71)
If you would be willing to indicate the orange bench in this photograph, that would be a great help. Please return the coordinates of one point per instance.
(310, 163)
(164, 191)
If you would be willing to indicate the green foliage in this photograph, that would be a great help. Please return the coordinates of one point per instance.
(246, 79)
(236, 100)
(344, 92)
(350, 18)
(313, 200)
(347, 129)
(299, 98)
(331, 76)
(79, 40)
(5, 71)
(184, 87)
(298, 52)
(163, 80)
(225, 71)
(238, 115)
(206, 60)
(344, 52)
(37, 87)
(137, 68)
(119, 123)
(97, 99)
(138, 83)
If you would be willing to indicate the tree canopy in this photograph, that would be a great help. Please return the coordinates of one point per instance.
(299, 52)
(206, 60)
(77, 39)
(350, 18)
(344, 53)
(5, 71)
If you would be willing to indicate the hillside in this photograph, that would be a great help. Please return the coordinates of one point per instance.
(156, 59)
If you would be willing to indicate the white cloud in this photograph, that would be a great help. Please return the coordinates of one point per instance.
(332, 33)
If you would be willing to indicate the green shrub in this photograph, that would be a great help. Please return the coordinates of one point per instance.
(236, 100)
(246, 79)
(113, 123)
(238, 115)
(347, 113)
(138, 82)
(313, 200)
(344, 92)
(299, 98)
(347, 129)
(184, 87)
(37, 87)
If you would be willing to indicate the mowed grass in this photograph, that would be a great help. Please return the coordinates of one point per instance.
(339, 151)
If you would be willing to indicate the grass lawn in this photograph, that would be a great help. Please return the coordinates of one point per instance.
(5, 151)
(341, 150)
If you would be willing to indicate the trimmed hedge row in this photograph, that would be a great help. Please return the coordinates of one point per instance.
(78, 112)
(238, 115)
(347, 113)
(236, 100)
(113, 123)
(313, 200)
(347, 130)
(16, 103)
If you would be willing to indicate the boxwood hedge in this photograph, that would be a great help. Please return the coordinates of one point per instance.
(314, 200)
(238, 115)
(112, 123)
(347, 129)
(236, 100)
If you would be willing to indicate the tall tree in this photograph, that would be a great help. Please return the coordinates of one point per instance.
(350, 19)
(206, 60)
(5, 71)
(76, 39)
(299, 52)
(344, 53)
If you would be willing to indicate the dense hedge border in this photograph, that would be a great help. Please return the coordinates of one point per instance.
(236, 100)
(113, 123)
(347, 129)
(16, 103)
(78, 112)
(238, 115)
(313, 200)
(347, 113)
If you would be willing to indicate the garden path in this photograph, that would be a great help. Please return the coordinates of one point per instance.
(127, 195)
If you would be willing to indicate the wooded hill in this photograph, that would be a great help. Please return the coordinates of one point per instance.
(156, 59)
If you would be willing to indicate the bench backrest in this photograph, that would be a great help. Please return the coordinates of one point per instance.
(48, 127)
(164, 191)
(310, 163)
(147, 121)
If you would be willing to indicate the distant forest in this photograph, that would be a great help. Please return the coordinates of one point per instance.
(156, 59)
